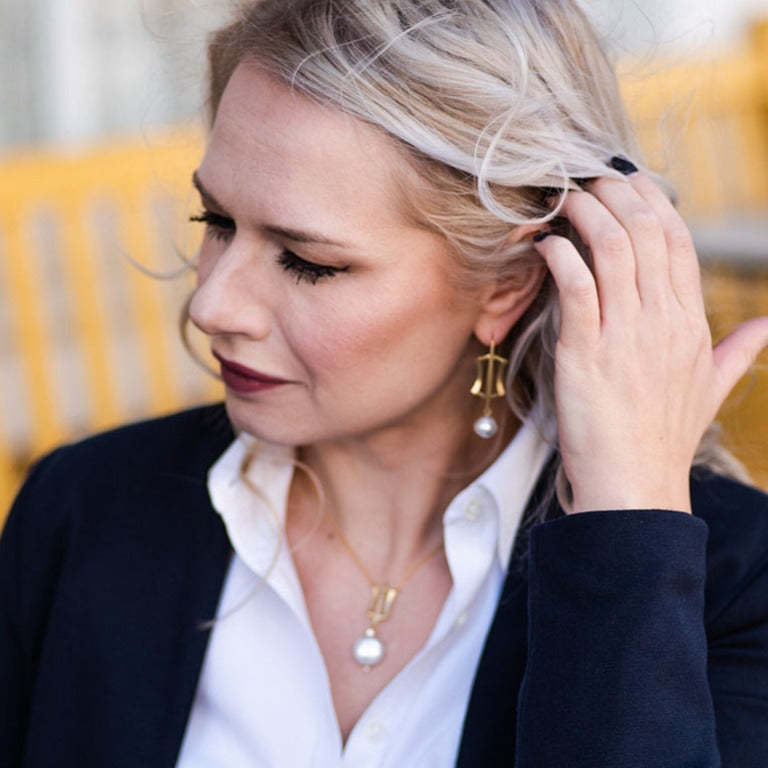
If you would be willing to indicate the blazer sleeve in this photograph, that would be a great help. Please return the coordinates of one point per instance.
(736, 617)
(623, 668)
(29, 557)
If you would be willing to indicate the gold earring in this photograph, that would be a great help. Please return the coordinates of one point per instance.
(489, 384)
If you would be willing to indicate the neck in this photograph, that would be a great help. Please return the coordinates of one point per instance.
(387, 492)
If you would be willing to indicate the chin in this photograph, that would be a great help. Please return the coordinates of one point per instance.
(280, 426)
(243, 419)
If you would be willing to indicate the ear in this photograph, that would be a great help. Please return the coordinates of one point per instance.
(504, 301)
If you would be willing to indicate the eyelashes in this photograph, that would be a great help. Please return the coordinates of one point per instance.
(223, 229)
(218, 227)
(307, 270)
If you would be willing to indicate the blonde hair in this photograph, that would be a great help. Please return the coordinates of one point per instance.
(497, 104)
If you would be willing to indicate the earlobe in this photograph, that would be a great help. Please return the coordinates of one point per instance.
(506, 300)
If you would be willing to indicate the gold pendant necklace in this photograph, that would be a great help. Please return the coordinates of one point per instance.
(368, 650)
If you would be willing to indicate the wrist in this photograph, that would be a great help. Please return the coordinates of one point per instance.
(616, 495)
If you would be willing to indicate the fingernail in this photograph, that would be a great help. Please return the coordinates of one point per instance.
(581, 183)
(542, 235)
(622, 165)
(552, 191)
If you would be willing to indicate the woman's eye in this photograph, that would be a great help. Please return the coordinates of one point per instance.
(301, 268)
(216, 226)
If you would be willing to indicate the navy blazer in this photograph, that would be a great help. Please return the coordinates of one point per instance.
(621, 638)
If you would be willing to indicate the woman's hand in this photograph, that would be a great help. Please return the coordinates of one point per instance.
(636, 379)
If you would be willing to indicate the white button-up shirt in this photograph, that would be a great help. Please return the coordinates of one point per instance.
(264, 697)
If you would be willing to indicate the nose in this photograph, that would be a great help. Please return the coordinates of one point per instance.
(230, 297)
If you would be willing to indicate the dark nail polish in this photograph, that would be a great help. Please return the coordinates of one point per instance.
(581, 183)
(622, 165)
(552, 191)
(539, 236)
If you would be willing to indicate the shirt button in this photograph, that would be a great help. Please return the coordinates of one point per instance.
(473, 510)
(375, 731)
(461, 619)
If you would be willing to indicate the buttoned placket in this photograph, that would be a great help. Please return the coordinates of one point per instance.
(471, 529)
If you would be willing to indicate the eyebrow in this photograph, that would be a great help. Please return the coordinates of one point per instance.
(295, 235)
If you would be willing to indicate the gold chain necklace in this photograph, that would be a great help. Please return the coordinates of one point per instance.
(368, 650)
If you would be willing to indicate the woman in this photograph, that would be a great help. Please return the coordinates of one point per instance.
(376, 571)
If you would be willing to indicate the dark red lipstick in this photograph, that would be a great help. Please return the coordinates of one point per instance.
(243, 380)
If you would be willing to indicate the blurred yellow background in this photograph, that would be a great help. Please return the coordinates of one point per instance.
(89, 333)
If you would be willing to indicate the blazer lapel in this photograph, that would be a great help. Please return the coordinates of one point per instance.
(198, 556)
(198, 563)
(490, 724)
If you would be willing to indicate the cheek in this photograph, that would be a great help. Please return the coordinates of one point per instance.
(343, 334)
(377, 329)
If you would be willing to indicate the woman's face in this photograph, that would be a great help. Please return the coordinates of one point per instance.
(312, 278)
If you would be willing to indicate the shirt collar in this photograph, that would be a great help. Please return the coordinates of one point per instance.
(252, 498)
(510, 481)
(506, 485)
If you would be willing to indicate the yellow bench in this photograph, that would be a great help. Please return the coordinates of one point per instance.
(88, 341)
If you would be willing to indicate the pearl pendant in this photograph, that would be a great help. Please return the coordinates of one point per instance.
(368, 650)
(486, 427)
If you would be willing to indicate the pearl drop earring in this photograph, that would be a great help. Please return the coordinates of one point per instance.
(489, 384)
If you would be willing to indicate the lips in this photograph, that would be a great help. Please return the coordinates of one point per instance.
(243, 380)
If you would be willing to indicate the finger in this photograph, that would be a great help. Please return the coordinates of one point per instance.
(736, 353)
(683, 264)
(645, 230)
(579, 305)
(613, 259)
